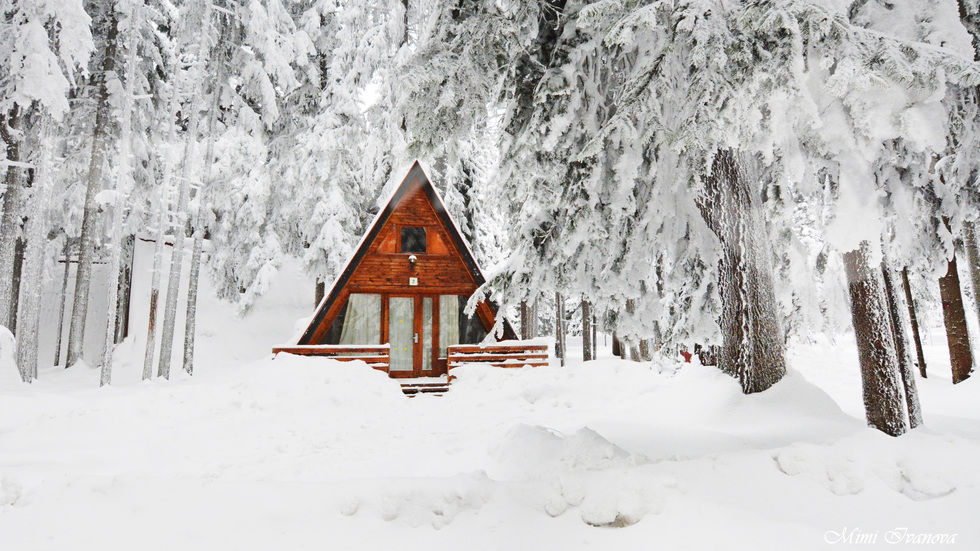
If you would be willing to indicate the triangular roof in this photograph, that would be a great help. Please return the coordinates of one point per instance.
(415, 180)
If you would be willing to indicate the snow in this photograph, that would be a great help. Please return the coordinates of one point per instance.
(304, 453)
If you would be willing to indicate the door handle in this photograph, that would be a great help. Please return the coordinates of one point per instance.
(416, 338)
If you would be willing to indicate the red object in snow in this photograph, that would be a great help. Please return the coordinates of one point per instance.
(687, 356)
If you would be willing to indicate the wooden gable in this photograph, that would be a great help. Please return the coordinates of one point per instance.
(379, 266)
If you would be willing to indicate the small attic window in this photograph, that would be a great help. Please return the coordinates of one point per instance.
(413, 240)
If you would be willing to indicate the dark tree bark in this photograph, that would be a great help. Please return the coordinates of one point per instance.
(876, 347)
(588, 336)
(531, 66)
(100, 138)
(954, 317)
(319, 292)
(617, 345)
(753, 348)
(527, 320)
(20, 247)
(914, 322)
(594, 333)
(64, 299)
(973, 260)
(560, 349)
(902, 352)
(125, 286)
(10, 220)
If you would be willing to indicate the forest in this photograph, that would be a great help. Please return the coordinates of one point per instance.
(683, 173)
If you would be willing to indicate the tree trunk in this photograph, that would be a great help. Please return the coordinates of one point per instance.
(86, 243)
(64, 299)
(525, 320)
(163, 217)
(36, 231)
(124, 184)
(954, 316)
(595, 354)
(902, 351)
(632, 342)
(914, 322)
(19, 250)
(10, 131)
(753, 347)
(560, 328)
(319, 292)
(617, 346)
(876, 347)
(973, 259)
(176, 266)
(176, 261)
(125, 288)
(190, 323)
(646, 351)
(588, 353)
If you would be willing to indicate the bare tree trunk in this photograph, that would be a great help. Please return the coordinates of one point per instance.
(64, 299)
(30, 294)
(646, 352)
(617, 345)
(190, 322)
(123, 187)
(158, 248)
(86, 243)
(560, 328)
(876, 347)
(594, 333)
(125, 288)
(753, 347)
(973, 259)
(902, 348)
(914, 322)
(525, 320)
(19, 249)
(588, 353)
(176, 262)
(631, 343)
(319, 292)
(163, 217)
(10, 131)
(954, 316)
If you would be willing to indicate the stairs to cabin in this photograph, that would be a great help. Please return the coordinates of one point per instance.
(436, 386)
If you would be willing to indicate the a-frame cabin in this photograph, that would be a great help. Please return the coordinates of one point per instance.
(406, 286)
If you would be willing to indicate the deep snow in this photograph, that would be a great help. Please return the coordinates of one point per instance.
(298, 453)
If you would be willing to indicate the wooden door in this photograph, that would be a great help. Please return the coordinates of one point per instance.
(402, 336)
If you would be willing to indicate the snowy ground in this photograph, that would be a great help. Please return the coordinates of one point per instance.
(310, 454)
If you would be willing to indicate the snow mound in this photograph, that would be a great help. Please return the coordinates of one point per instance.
(871, 460)
(418, 502)
(9, 375)
(529, 452)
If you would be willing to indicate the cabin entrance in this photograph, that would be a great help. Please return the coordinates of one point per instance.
(413, 329)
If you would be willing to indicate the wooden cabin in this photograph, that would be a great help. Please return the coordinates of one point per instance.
(399, 303)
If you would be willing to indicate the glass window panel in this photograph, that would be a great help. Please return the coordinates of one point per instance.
(401, 332)
(427, 333)
(362, 324)
(448, 322)
(471, 330)
(413, 240)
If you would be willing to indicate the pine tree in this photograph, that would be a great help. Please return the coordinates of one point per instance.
(876, 348)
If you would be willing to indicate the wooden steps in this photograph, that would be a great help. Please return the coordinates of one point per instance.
(377, 356)
(436, 386)
(499, 355)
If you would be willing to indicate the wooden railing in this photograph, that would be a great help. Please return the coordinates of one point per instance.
(377, 356)
(499, 355)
